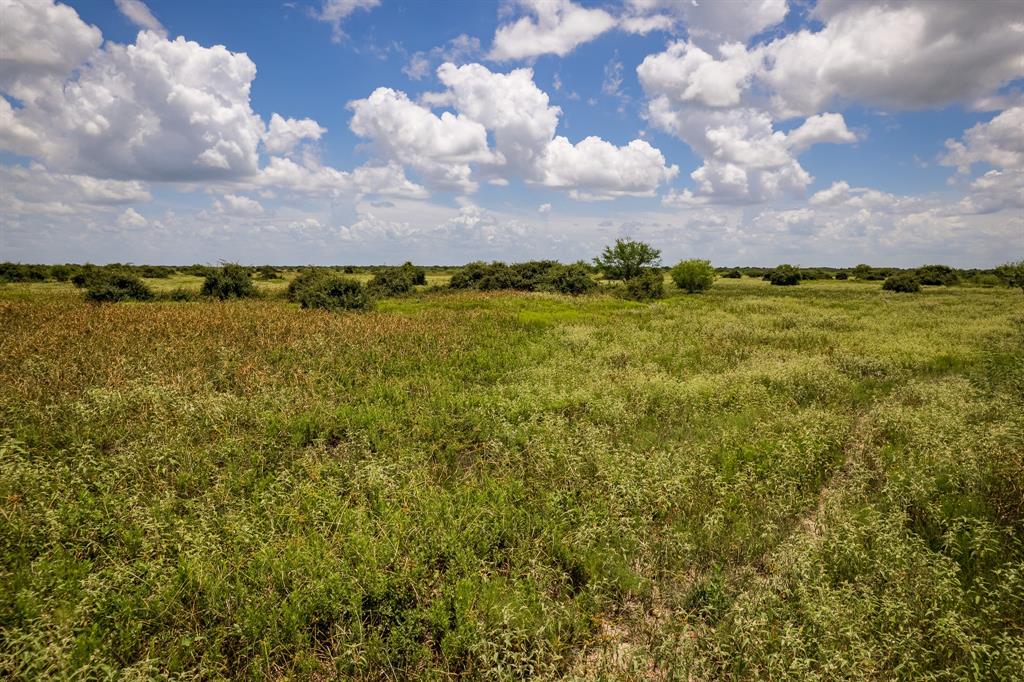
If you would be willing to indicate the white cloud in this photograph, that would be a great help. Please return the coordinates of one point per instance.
(996, 190)
(238, 205)
(544, 208)
(906, 55)
(335, 12)
(283, 134)
(130, 219)
(707, 21)
(440, 147)
(596, 169)
(34, 189)
(556, 27)
(139, 14)
(999, 142)
(820, 129)
(155, 110)
(457, 50)
(41, 42)
(688, 74)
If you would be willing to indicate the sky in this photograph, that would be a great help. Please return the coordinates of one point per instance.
(361, 132)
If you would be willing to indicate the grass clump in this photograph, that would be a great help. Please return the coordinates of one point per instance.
(334, 293)
(693, 276)
(229, 281)
(903, 282)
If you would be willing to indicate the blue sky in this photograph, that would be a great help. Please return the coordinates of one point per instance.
(376, 131)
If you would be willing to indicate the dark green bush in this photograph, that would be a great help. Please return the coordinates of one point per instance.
(902, 282)
(842, 274)
(178, 295)
(303, 280)
(937, 275)
(732, 274)
(572, 279)
(647, 286)
(154, 272)
(693, 275)
(229, 281)
(1012, 274)
(784, 276)
(417, 276)
(22, 272)
(114, 287)
(267, 272)
(391, 282)
(334, 292)
(468, 276)
(61, 273)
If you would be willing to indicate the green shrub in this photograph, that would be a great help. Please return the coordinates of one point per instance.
(154, 272)
(693, 275)
(114, 287)
(61, 273)
(304, 279)
(902, 282)
(391, 282)
(627, 259)
(178, 295)
(644, 287)
(21, 272)
(732, 274)
(1012, 274)
(842, 274)
(229, 281)
(334, 292)
(784, 276)
(417, 276)
(572, 279)
(467, 276)
(937, 275)
(267, 272)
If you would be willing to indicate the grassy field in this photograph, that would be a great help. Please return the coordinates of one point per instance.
(813, 482)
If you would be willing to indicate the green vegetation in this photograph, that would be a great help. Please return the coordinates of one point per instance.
(627, 259)
(760, 482)
(902, 282)
(229, 281)
(784, 276)
(647, 286)
(693, 275)
(115, 287)
(335, 293)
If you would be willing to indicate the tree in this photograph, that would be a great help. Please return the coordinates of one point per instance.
(1012, 274)
(627, 259)
(784, 276)
(229, 281)
(693, 275)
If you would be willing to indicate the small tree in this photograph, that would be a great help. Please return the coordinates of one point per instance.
(114, 287)
(627, 259)
(902, 282)
(646, 286)
(229, 281)
(1012, 274)
(569, 279)
(416, 275)
(693, 275)
(784, 276)
(937, 275)
(334, 293)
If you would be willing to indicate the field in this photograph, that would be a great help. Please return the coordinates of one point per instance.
(814, 482)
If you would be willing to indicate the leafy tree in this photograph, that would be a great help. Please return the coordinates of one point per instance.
(114, 287)
(902, 282)
(334, 293)
(229, 281)
(693, 275)
(936, 275)
(1012, 274)
(416, 275)
(303, 280)
(570, 279)
(784, 276)
(627, 259)
(650, 284)
(862, 271)
(391, 282)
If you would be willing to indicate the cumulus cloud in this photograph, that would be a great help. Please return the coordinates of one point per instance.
(457, 50)
(41, 42)
(130, 218)
(284, 134)
(35, 189)
(554, 27)
(946, 51)
(139, 14)
(154, 110)
(446, 149)
(238, 205)
(706, 21)
(335, 12)
(999, 142)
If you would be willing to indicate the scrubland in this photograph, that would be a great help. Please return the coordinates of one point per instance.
(813, 482)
